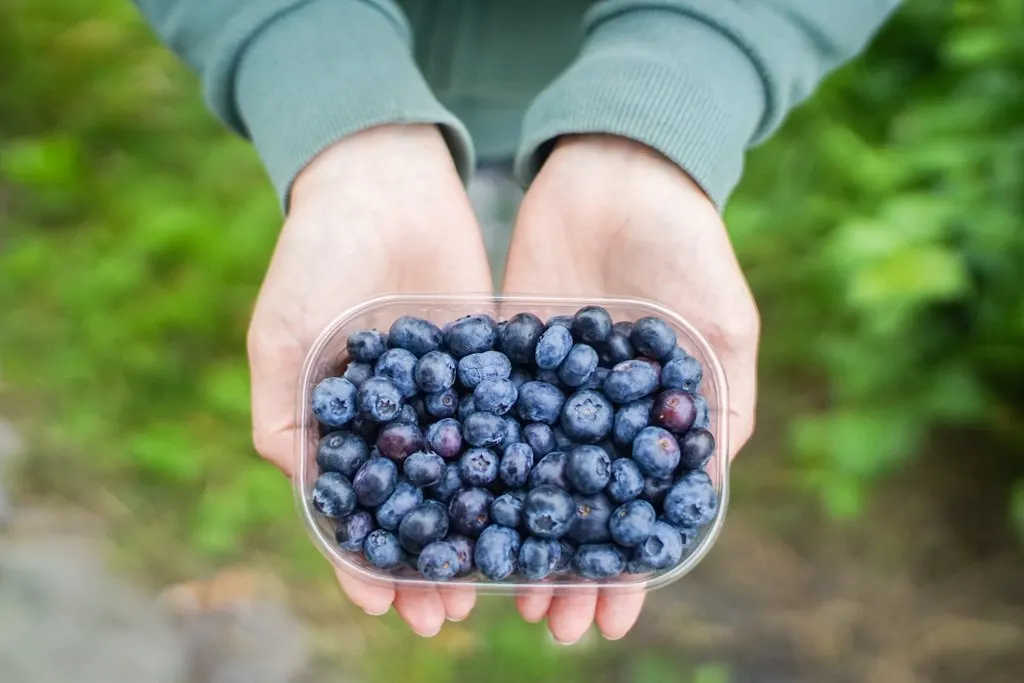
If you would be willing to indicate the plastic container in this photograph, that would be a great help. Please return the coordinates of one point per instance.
(328, 356)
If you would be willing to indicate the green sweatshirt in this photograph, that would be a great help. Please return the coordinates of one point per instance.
(700, 81)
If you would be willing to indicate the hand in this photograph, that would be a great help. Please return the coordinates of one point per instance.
(382, 211)
(608, 216)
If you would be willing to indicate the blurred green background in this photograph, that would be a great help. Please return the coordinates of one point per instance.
(881, 233)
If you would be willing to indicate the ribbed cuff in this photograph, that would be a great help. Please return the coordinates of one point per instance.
(660, 78)
(328, 69)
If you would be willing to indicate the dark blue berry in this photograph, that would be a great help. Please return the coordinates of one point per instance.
(434, 372)
(379, 399)
(540, 402)
(464, 549)
(398, 366)
(630, 418)
(548, 511)
(495, 396)
(519, 377)
(466, 407)
(630, 380)
(588, 469)
(438, 561)
(653, 337)
(516, 464)
(496, 552)
(507, 510)
(550, 377)
(383, 550)
(591, 324)
(399, 440)
(333, 495)
(366, 346)
(655, 489)
(578, 366)
(513, 432)
(416, 335)
(444, 437)
(689, 534)
(408, 414)
(424, 524)
(472, 334)
(626, 481)
(334, 401)
(623, 327)
(615, 349)
(401, 502)
(702, 420)
(682, 373)
(559, 321)
(591, 522)
(662, 549)
(449, 485)
(538, 557)
(692, 501)
(442, 404)
(519, 338)
(597, 379)
(483, 429)
(656, 452)
(632, 522)
(424, 468)
(475, 368)
(352, 531)
(540, 437)
(375, 481)
(587, 416)
(564, 562)
(674, 410)
(599, 561)
(365, 428)
(562, 442)
(470, 511)
(357, 373)
(676, 354)
(696, 448)
(550, 471)
(552, 347)
(342, 452)
(478, 466)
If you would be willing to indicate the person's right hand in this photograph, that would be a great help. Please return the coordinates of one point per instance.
(382, 211)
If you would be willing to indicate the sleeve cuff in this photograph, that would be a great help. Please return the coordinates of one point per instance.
(325, 70)
(663, 79)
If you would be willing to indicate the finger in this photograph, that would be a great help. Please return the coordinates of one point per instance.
(422, 609)
(571, 615)
(534, 604)
(617, 612)
(458, 601)
(372, 599)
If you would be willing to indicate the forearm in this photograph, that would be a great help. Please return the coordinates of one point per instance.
(295, 76)
(698, 80)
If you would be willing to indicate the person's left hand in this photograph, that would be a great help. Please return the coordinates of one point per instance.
(610, 217)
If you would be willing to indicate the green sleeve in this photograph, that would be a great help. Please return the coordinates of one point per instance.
(294, 76)
(698, 80)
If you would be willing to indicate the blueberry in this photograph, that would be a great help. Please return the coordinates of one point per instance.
(591, 324)
(599, 561)
(559, 321)
(662, 549)
(466, 407)
(587, 417)
(449, 485)
(401, 502)
(550, 377)
(682, 373)
(424, 524)
(444, 437)
(655, 489)
(444, 403)
(365, 428)
(352, 531)
(597, 379)
(379, 399)
(416, 335)
(434, 372)
(375, 481)
(632, 523)
(513, 432)
(342, 452)
(591, 522)
(577, 367)
(424, 468)
(519, 377)
(626, 481)
(552, 347)
(588, 469)
(357, 373)
(675, 354)
(550, 471)
(516, 464)
(483, 429)
(696, 446)
(470, 511)
(383, 550)
(540, 437)
(654, 365)
(475, 368)
(398, 366)
(564, 563)
(548, 511)
(507, 510)
(540, 402)
(615, 349)
(689, 534)
(334, 401)
(635, 566)
(464, 550)
(366, 346)
(701, 420)
(496, 552)
(333, 495)
(538, 557)
(472, 334)
(692, 501)
(623, 327)
(630, 418)
(398, 440)
(519, 338)
(438, 561)
(478, 466)
(674, 410)
(656, 452)
(408, 414)
(562, 442)
(495, 396)
(630, 380)
(653, 337)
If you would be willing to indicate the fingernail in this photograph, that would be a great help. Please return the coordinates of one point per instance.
(564, 642)
(614, 638)
(456, 620)
(427, 635)
(377, 614)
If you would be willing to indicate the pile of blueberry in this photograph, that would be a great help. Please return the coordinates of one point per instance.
(524, 448)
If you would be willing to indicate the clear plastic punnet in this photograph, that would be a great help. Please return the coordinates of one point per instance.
(328, 357)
